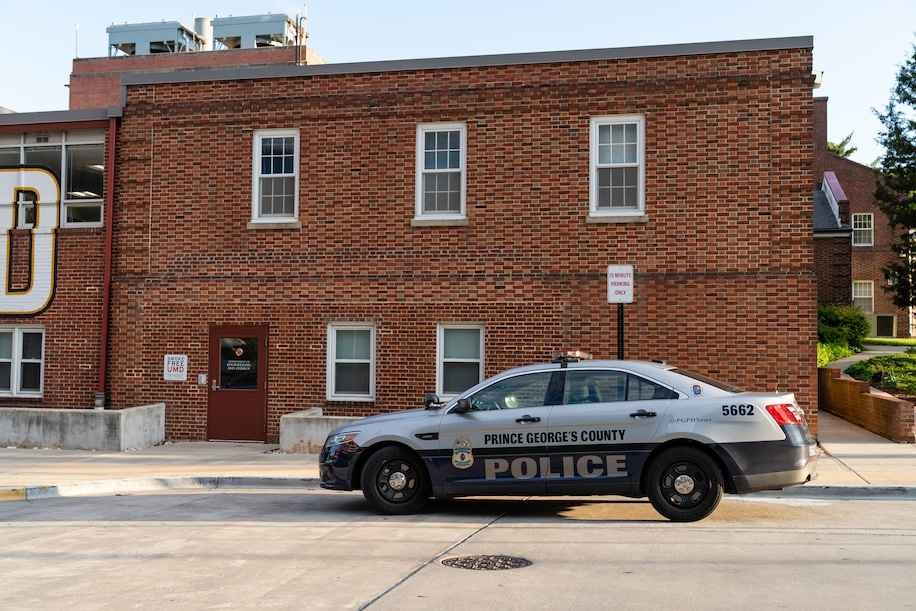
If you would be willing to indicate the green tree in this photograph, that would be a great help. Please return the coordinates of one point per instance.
(896, 190)
(843, 147)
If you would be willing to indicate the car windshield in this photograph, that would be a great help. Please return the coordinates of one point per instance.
(705, 380)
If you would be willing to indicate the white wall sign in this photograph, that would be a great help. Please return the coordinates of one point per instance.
(43, 186)
(620, 284)
(175, 367)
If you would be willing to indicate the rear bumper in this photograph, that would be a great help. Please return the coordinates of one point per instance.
(770, 465)
(776, 480)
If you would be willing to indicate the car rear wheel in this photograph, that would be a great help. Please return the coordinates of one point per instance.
(394, 481)
(684, 484)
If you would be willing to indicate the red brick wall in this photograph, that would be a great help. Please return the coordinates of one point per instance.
(725, 278)
(858, 181)
(832, 262)
(872, 409)
(95, 82)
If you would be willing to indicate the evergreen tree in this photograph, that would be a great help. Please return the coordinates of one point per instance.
(896, 191)
(842, 148)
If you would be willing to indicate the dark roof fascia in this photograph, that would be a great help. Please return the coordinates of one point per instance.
(59, 116)
(831, 233)
(471, 61)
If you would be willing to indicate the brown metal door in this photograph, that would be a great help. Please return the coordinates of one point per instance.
(237, 405)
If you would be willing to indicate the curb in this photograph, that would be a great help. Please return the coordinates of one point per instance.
(845, 492)
(151, 484)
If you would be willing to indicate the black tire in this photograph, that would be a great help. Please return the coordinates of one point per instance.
(692, 498)
(395, 481)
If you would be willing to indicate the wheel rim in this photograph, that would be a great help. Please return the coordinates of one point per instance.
(397, 481)
(685, 485)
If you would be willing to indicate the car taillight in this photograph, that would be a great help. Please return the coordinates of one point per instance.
(786, 413)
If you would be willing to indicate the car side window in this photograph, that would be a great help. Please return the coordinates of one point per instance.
(517, 392)
(640, 389)
(594, 387)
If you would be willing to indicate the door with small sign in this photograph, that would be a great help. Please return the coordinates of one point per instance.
(237, 406)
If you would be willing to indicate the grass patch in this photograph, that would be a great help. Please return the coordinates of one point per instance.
(832, 352)
(895, 373)
(890, 341)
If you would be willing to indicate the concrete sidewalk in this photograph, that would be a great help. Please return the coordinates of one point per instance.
(853, 456)
(20, 467)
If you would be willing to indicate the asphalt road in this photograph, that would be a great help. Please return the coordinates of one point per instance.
(315, 549)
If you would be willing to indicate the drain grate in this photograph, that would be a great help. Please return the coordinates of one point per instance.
(486, 562)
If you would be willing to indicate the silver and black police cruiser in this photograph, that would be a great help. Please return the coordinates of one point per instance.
(578, 427)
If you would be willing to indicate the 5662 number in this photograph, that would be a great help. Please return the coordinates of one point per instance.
(737, 410)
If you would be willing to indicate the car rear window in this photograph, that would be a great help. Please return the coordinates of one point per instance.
(705, 380)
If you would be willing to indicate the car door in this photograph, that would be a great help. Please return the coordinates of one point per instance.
(499, 445)
(603, 430)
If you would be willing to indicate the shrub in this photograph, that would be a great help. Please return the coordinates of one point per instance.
(842, 325)
(895, 373)
(832, 352)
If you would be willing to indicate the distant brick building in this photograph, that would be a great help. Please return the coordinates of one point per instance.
(851, 188)
(349, 236)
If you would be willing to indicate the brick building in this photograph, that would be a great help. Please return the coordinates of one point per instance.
(349, 236)
(850, 187)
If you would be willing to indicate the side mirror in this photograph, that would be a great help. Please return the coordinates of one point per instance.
(431, 400)
(463, 406)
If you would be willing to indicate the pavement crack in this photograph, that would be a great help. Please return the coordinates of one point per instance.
(425, 564)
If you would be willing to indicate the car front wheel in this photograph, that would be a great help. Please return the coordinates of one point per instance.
(394, 481)
(684, 484)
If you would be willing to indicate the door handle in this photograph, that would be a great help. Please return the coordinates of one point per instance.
(643, 414)
(526, 419)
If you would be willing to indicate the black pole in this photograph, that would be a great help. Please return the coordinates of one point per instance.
(620, 331)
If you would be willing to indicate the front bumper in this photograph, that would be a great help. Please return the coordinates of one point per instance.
(336, 465)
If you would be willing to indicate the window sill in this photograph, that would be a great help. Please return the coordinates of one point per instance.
(444, 222)
(617, 218)
(353, 399)
(275, 225)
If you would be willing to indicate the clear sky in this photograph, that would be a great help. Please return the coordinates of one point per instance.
(857, 44)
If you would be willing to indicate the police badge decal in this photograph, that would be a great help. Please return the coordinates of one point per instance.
(462, 454)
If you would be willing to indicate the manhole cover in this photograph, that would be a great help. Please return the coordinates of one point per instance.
(486, 562)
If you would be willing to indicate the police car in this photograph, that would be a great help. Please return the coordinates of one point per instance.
(578, 427)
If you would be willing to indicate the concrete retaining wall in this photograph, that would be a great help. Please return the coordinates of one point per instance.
(860, 404)
(83, 429)
(304, 432)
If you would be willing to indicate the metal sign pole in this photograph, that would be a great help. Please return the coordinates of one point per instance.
(619, 331)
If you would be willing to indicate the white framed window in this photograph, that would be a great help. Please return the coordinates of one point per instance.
(275, 176)
(351, 362)
(863, 229)
(863, 295)
(459, 358)
(441, 182)
(77, 159)
(617, 172)
(22, 352)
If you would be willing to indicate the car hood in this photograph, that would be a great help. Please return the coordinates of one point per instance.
(411, 415)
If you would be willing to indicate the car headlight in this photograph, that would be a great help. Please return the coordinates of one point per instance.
(342, 438)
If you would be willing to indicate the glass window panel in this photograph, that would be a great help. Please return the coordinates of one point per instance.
(454, 181)
(518, 392)
(604, 177)
(265, 165)
(288, 205)
(442, 201)
(631, 153)
(85, 171)
(594, 387)
(442, 140)
(630, 197)
(617, 197)
(5, 371)
(454, 140)
(47, 156)
(617, 153)
(277, 165)
(604, 153)
(287, 165)
(454, 160)
(429, 161)
(442, 160)
(265, 146)
(9, 156)
(6, 345)
(639, 389)
(288, 144)
(630, 176)
(31, 345)
(454, 201)
(604, 134)
(631, 132)
(30, 377)
(267, 186)
(458, 377)
(353, 344)
(604, 197)
(84, 214)
(238, 363)
(617, 135)
(429, 202)
(351, 378)
(429, 141)
(617, 177)
(462, 343)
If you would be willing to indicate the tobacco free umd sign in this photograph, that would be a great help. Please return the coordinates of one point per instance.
(620, 283)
